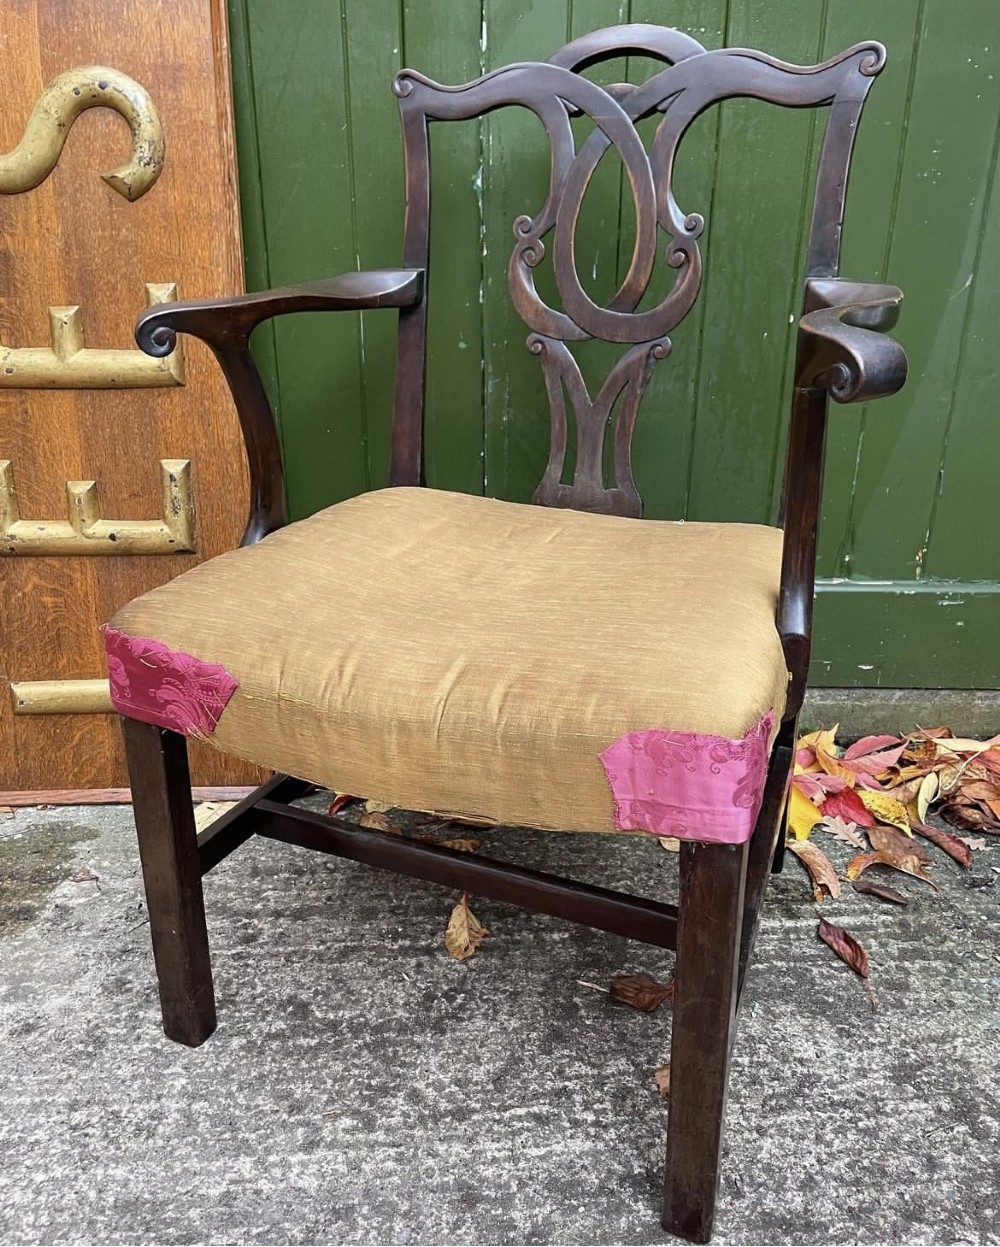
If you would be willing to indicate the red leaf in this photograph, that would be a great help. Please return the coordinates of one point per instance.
(848, 950)
(953, 845)
(848, 806)
(339, 801)
(883, 893)
(868, 744)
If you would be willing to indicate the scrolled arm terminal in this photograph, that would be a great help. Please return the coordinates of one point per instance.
(842, 344)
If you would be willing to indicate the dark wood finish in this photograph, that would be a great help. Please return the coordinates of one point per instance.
(632, 916)
(225, 325)
(171, 874)
(839, 354)
(233, 828)
(713, 878)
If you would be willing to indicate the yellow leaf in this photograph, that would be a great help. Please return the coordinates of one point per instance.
(887, 809)
(465, 932)
(823, 739)
(925, 795)
(802, 814)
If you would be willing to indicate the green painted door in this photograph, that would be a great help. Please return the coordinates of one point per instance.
(910, 560)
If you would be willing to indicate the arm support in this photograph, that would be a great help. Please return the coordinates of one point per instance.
(842, 354)
(225, 325)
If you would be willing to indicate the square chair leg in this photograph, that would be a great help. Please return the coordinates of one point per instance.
(171, 871)
(710, 926)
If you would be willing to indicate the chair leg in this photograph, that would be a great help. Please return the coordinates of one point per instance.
(171, 871)
(710, 925)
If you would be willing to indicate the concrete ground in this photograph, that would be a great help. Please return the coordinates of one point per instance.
(363, 1087)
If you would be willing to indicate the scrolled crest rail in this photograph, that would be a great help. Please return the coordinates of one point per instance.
(693, 79)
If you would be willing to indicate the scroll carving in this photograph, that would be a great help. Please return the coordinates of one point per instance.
(59, 105)
(555, 92)
(85, 532)
(70, 365)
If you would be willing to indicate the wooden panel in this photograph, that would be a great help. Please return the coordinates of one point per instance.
(73, 240)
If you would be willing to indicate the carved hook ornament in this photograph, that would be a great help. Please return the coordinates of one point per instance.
(59, 105)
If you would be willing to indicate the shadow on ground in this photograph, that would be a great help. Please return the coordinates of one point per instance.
(363, 1087)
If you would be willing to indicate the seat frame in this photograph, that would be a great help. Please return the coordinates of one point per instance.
(840, 354)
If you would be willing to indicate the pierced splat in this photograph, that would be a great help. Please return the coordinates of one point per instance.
(627, 380)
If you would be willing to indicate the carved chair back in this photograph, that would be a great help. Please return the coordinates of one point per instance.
(556, 92)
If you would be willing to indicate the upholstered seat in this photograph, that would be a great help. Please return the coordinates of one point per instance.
(462, 654)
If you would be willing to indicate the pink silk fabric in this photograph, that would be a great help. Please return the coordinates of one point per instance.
(688, 784)
(159, 685)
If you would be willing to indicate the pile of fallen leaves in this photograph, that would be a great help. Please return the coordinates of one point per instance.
(877, 796)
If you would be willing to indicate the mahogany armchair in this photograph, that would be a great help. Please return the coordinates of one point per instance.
(562, 665)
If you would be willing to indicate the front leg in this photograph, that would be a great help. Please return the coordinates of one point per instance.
(171, 871)
(710, 925)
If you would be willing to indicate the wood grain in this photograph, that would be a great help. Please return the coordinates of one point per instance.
(73, 240)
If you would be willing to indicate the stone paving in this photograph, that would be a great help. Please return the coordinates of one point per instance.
(363, 1087)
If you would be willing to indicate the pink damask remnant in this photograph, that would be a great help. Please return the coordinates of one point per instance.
(689, 784)
(153, 683)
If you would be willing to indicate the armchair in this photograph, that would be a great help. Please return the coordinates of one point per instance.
(562, 665)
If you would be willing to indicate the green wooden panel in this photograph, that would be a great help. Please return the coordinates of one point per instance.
(944, 182)
(910, 510)
(874, 194)
(442, 40)
(752, 285)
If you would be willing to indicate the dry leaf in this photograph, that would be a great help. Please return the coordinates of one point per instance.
(670, 843)
(891, 840)
(848, 806)
(888, 809)
(848, 950)
(908, 863)
(6, 811)
(871, 744)
(208, 811)
(461, 844)
(377, 807)
(340, 799)
(925, 795)
(641, 991)
(86, 875)
(802, 814)
(969, 816)
(465, 932)
(883, 893)
(847, 832)
(953, 845)
(375, 820)
(819, 866)
(662, 1079)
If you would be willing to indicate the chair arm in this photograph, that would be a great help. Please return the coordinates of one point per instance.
(226, 324)
(218, 320)
(841, 344)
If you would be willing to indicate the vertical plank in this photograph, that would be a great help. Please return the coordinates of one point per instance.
(665, 431)
(753, 270)
(943, 191)
(303, 126)
(871, 205)
(372, 50)
(443, 40)
(964, 528)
